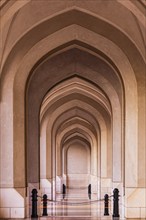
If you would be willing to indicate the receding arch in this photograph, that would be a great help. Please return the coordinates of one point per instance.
(26, 54)
(88, 40)
(102, 82)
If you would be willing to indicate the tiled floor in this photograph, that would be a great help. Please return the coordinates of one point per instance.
(73, 218)
(76, 218)
(76, 206)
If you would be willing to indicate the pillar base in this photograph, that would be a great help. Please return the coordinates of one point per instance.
(135, 203)
(12, 203)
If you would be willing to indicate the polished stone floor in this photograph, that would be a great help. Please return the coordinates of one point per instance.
(73, 218)
(76, 206)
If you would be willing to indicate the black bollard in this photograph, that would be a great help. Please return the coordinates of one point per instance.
(106, 201)
(34, 203)
(116, 203)
(63, 190)
(45, 205)
(89, 191)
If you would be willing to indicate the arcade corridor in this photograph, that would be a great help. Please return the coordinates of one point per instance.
(72, 106)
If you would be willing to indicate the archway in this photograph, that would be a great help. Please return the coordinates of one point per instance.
(30, 70)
